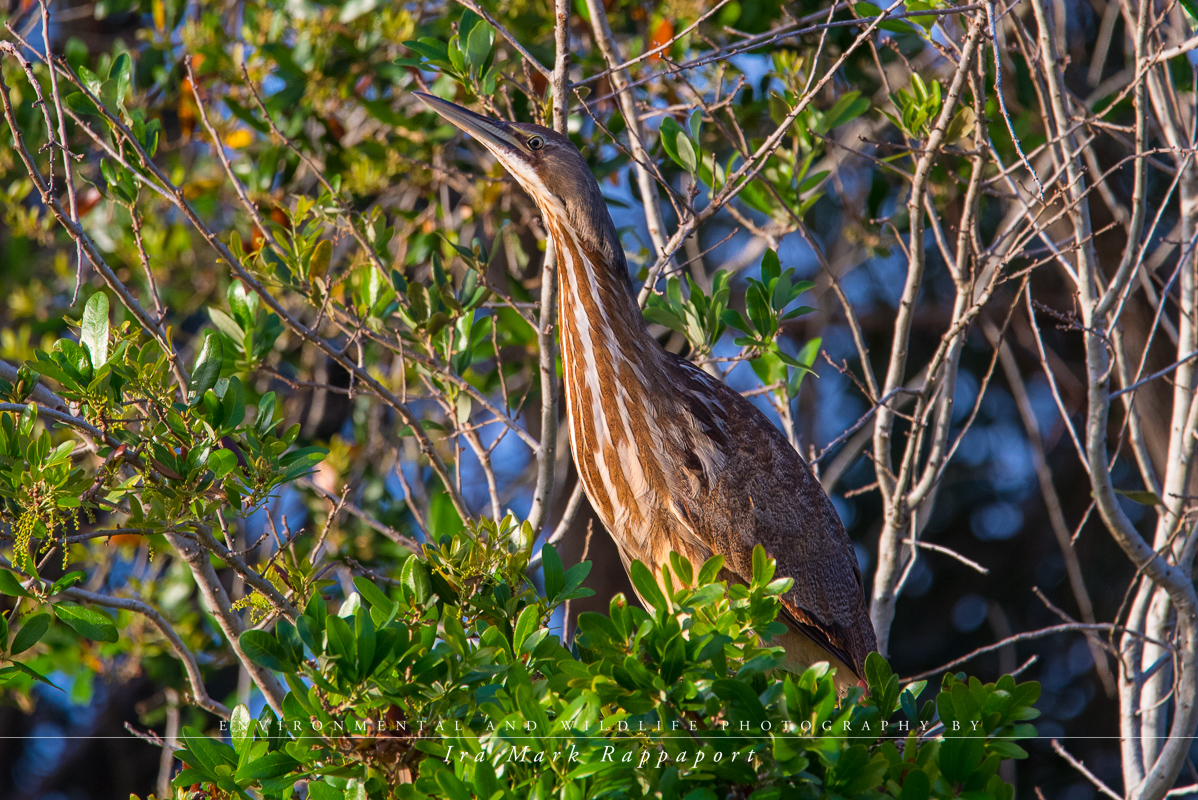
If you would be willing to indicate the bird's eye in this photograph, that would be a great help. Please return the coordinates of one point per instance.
(536, 142)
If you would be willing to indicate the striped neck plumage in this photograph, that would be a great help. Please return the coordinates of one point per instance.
(595, 293)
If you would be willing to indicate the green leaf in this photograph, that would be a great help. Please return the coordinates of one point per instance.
(121, 73)
(271, 765)
(877, 671)
(525, 625)
(243, 304)
(743, 699)
(686, 153)
(710, 569)
(265, 651)
(32, 673)
(355, 790)
(457, 59)
(662, 316)
(289, 638)
(1006, 749)
(452, 785)
(1143, 497)
(964, 124)
(322, 791)
(372, 594)
(366, 638)
(961, 756)
(67, 581)
(916, 786)
(207, 368)
(771, 267)
(9, 583)
(28, 419)
(90, 80)
(908, 698)
(342, 645)
(90, 623)
(432, 49)
(682, 568)
(694, 123)
(206, 752)
(763, 566)
(756, 198)
(414, 578)
(575, 575)
(467, 22)
(190, 775)
(478, 45)
(847, 108)
(240, 731)
(813, 181)
(669, 134)
(855, 772)
(94, 332)
(266, 414)
(74, 357)
(226, 325)
(222, 462)
(555, 575)
(31, 632)
(80, 104)
(758, 308)
(646, 586)
(322, 256)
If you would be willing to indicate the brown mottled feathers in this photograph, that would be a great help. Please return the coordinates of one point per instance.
(767, 495)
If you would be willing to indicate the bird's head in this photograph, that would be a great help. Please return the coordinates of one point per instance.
(550, 169)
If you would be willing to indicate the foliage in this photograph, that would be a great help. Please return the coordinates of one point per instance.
(186, 461)
(455, 676)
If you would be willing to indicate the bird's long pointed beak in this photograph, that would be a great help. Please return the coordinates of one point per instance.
(490, 132)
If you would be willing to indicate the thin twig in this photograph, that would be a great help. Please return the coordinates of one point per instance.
(1080, 767)
(198, 692)
(1052, 630)
(939, 548)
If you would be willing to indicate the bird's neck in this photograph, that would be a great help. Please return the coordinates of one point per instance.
(598, 312)
(613, 375)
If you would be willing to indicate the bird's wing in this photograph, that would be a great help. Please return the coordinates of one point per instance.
(827, 601)
(829, 637)
(766, 494)
(798, 527)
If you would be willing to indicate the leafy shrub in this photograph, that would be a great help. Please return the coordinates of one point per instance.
(453, 677)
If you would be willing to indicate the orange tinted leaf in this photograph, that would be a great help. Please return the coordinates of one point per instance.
(239, 139)
(663, 33)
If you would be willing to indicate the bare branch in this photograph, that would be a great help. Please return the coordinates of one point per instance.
(198, 692)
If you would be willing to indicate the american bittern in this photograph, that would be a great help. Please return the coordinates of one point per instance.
(670, 457)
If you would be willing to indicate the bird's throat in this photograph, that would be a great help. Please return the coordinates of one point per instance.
(592, 287)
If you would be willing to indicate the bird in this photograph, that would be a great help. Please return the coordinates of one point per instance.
(671, 458)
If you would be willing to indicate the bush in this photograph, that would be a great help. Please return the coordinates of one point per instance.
(453, 677)
(448, 680)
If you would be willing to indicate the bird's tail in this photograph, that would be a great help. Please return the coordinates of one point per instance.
(802, 652)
